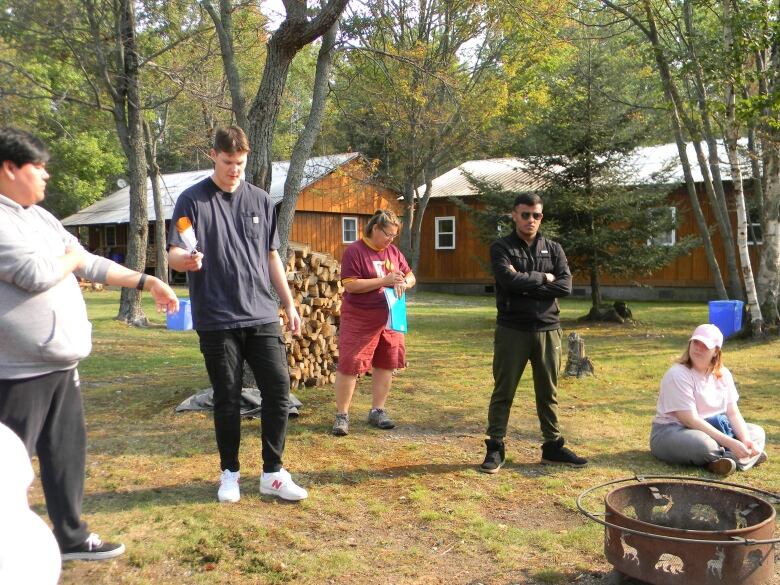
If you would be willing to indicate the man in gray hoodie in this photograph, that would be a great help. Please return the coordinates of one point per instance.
(44, 332)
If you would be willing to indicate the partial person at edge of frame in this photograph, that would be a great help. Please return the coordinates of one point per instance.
(46, 332)
(233, 310)
(368, 266)
(531, 274)
(697, 419)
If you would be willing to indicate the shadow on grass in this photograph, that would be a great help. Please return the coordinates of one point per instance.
(200, 492)
(358, 476)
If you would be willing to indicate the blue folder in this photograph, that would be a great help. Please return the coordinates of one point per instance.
(397, 319)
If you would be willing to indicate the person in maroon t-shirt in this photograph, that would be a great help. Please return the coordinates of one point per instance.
(365, 343)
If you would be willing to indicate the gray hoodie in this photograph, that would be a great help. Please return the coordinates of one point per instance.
(43, 318)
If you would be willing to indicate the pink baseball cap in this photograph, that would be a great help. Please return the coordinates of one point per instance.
(709, 335)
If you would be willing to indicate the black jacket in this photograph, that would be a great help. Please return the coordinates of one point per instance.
(524, 299)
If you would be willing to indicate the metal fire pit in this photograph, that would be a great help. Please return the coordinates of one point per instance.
(685, 531)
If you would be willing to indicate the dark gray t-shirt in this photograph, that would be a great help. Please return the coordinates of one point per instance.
(236, 232)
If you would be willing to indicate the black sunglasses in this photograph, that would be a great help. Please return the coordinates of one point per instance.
(528, 215)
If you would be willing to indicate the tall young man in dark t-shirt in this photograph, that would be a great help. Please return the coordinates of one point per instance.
(233, 311)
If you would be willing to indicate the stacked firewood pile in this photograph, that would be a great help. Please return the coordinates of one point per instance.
(315, 283)
(89, 285)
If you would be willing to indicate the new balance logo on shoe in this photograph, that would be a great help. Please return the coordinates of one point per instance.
(281, 485)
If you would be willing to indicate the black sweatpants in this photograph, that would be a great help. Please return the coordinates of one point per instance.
(48, 415)
(224, 352)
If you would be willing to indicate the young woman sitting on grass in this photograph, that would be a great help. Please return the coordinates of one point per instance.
(697, 419)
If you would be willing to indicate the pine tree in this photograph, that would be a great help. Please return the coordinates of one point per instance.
(607, 220)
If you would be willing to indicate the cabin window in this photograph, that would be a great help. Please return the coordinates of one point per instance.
(755, 237)
(349, 229)
(445, 233)
(110, 235)
(150, 235)
(666, 238)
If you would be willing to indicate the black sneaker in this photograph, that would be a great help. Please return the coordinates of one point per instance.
(93, 549)
(554, 453)
(494, 458)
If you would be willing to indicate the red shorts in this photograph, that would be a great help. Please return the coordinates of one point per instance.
(364, 342)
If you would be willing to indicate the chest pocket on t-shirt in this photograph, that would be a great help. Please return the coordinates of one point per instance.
(252, 223)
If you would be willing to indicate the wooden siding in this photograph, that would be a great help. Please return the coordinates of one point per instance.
(348, 191)
(466, 263)
(322, 231)
(691, 270)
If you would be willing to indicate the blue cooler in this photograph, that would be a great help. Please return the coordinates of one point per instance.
(182, 319)
(727, 316)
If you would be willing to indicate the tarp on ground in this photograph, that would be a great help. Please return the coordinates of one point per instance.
(250, 402)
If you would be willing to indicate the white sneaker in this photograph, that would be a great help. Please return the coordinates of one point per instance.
(228, 487)
(281, 485)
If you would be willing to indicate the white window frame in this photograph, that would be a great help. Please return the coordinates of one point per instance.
(106, 229)
(344, 239)
(756, 226)
(439, 232)
(670, 238)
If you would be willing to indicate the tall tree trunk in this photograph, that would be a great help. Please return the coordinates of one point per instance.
(768, 280)
(127, 108)
(295, 32)
(595, 290)
(416, 226)
(676, 107)
(710, 165)
(732, 131)
(670, 92)
(409, 195)
(305, 143)
(160, 237)
(223, 22)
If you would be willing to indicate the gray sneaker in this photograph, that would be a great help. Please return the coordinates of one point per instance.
(341, 425)
(378, 417)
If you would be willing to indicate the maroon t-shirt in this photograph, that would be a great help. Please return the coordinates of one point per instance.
(361, 261)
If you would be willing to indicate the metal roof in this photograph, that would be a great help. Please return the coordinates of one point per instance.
(645, 165)
(510, 173)
(115, 208)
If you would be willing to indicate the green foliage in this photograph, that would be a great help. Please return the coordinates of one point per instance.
(428, 84)
(582, 144)
(83, 168)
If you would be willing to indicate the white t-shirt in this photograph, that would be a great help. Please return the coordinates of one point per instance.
(683, 388)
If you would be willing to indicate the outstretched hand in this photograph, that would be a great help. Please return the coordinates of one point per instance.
(164, 297)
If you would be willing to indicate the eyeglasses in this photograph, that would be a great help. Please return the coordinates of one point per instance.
(391, 236)
(528, 215)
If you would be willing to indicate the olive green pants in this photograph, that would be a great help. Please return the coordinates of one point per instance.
(512, 351)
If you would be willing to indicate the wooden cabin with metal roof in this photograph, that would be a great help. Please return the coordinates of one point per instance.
(453, 258)
(338, 196)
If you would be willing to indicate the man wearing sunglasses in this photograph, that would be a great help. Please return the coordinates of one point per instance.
(531, 274)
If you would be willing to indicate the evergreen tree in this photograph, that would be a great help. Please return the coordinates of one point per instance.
(608, 220)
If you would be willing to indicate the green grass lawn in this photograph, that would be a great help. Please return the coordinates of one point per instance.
(400, 506)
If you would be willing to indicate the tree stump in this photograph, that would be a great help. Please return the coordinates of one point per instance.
(578, 364)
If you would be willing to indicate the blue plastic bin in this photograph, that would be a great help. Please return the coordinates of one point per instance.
(182, 319)
(727, 316)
